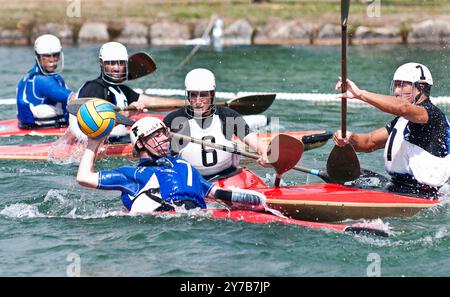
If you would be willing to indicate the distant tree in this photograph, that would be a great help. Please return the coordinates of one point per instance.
(260, 1)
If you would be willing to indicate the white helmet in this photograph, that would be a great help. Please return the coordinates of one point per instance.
(413, 72)
(200, 79)
(117, 53)
(47, 44)
(144, 127)
(113, 51)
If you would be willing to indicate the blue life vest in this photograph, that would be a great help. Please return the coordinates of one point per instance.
(35, 89)
(170, 178)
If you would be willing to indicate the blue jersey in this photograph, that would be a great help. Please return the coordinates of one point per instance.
(171, 179)
(36, 89)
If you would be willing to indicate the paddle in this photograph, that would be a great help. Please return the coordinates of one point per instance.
(343, 164)
(139, 65)
(286, 152)
(283, 152)
(245, 105)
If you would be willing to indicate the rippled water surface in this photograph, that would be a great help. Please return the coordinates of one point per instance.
(45, 216)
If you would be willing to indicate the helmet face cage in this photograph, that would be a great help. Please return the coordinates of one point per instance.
(422, 87)
(113, 77)
(155, 144)
(59, 64)
(403, 87)
(201, 96)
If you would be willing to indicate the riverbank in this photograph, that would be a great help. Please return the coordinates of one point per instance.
(156, 23)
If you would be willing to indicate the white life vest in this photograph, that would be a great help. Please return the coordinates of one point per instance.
(404, 158)
(118, 130)
(208, 161)
(143, 203)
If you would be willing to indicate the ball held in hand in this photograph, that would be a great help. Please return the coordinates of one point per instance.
(96, 118)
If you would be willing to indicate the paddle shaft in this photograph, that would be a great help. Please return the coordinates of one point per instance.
(233, 150)
(344, 16)
(245, 105)
(170, 107)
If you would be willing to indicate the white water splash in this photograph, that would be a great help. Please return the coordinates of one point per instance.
(375, 224)
(262, 207)
(26, 171)
(269, 179)
(66, 150)
(21, 210)
(58, 195)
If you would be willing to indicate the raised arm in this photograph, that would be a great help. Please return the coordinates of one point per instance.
(389, 104)
(86, 175)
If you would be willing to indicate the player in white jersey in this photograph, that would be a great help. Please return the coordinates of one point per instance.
(202, 119)
(417, 142)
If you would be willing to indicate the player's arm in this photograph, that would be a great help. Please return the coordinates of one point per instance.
(148, 102)
(86, 175)
(239, 198)
(363, 142)
(49, 88)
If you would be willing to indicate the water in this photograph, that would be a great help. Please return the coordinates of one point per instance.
(45, 216)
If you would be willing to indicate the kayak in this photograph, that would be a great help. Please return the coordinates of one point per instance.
(254, 217)
(311, 139)
(11, 127)
(334, 202)
(329, 202)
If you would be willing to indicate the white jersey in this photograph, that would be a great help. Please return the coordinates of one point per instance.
(406, 154)
(208, 161)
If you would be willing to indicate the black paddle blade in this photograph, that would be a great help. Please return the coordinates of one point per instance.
(139, 65)
(284, 152)
(74, 105)
(343, 164)
(121, 119)
(345, 7)
(252, 104)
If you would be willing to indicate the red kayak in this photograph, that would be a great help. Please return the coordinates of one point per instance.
(266, 218)
(11, 128)
(329, 202)
(62, 151)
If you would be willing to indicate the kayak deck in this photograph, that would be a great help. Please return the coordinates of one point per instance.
(329, 202)
(334, 202)
(11, 128)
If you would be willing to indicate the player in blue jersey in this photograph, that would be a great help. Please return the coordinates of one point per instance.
(42, 94)
(160, 182)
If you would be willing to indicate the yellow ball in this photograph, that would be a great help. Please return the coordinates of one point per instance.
(96, 118)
